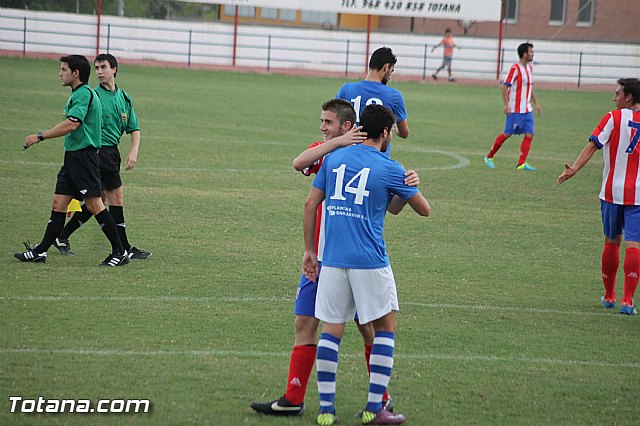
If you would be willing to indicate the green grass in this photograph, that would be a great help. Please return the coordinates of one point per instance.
(500, 319)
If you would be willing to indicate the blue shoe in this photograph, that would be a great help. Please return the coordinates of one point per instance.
(489, 162)
(628, 310)
(525, 166)
(608, 304)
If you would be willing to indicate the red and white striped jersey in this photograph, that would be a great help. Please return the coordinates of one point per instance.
(313, 169)
(618, 133)
(520, 84)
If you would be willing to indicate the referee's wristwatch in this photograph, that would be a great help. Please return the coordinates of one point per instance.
(40, 137)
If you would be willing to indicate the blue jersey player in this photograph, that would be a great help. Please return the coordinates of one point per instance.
(357, 184)
(374, 90)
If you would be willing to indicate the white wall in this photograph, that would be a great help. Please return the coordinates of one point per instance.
(212, 43)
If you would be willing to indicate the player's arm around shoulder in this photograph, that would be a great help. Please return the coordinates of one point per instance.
(420, 205)
(309, 156)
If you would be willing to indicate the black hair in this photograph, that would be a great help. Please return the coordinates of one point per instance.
(375, 118)
(524, 48)
(113, 62)
(80, 63)
(631, 86)
(381, 57)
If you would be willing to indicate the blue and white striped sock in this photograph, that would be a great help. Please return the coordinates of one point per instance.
(327, 366)
(381, 364)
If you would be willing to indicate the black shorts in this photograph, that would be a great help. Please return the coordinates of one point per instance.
(79, 176)
(110, 167)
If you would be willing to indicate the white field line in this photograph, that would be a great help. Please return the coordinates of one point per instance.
(252, 354)
(226, 353)
(223, 299)
(460, 162)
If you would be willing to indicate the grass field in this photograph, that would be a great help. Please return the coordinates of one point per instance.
(500, 318)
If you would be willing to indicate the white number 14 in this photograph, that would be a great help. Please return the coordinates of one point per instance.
(360, 191)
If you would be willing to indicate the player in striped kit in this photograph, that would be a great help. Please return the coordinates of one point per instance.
(359, 181)
(517, 94)
(617, 135)
(338, 130)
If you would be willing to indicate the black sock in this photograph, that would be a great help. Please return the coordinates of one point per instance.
(76, 221)
(54, 227)
(118, 216)
(108, 226)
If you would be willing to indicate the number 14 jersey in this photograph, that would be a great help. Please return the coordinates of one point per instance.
(358, 182)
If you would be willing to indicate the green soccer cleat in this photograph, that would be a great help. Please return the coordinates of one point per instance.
(525, 166)
(327, 419)
(489, 162)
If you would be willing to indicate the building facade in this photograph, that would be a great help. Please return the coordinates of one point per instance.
(561, 20)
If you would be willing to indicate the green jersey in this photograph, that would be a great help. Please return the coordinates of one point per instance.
(118, 115)
(83, 106)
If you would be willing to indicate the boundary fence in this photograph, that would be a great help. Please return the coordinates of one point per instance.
(325, 50)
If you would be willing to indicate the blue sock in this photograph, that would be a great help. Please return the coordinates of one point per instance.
(381, 365)
(327, 366)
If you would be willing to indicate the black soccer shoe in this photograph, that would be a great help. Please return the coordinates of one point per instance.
(280, 407)
(30, 255)
(64, 246)
(138, 254)
(116, 260)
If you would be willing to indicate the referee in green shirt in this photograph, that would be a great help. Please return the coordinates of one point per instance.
(79, 176)
(118, 118)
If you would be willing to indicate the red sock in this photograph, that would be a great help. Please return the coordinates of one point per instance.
(631, 271)
(497, 144)
(610, 262)
(300, 366)
(524, 149)
(367, 356)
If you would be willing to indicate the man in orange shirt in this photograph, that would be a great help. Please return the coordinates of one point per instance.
(448, 44)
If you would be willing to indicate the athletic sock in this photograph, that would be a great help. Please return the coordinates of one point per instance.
(76, 221)
(327, 366)
(525, 146)
(381, 368)
(300, 367)
(54, 227)
(497, 144)
(108, 226)
(631, 270)
(610, 262)
(118, 216)
(367, 357)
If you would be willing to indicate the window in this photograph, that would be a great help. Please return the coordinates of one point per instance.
(268, 13)
(585, 13)
(244, 11)
(288, 15)
(322, 18)
(510, 11)
(556, 14)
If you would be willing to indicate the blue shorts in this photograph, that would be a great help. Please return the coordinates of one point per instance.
(306, 296)
(618, 219)
(519, 123)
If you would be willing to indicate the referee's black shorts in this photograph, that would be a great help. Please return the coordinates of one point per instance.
(79, 176)
(110, 167)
